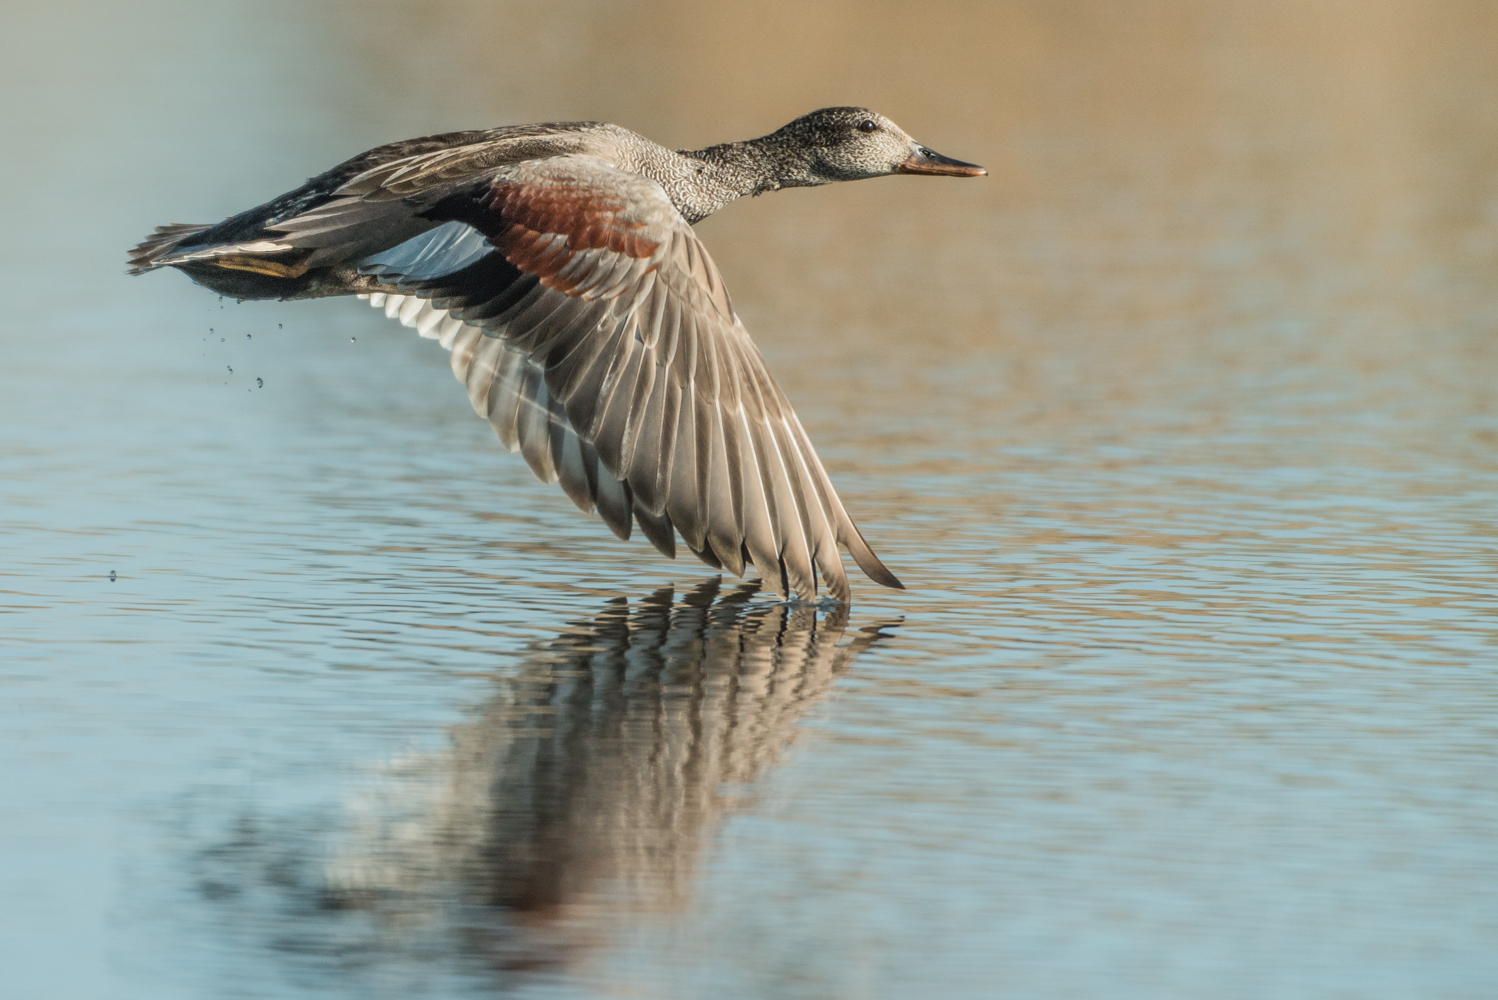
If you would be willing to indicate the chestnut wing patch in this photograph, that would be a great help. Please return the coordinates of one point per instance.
(568, 222)
(537, 214)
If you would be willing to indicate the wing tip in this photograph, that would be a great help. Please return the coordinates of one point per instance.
(867, 561)
(660, 531)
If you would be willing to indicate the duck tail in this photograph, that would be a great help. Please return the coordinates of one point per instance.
(148, 252)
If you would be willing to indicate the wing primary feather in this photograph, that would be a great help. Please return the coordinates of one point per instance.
(658, 528)
(568, 459)
(845, 530)
(795, 552)
(708, 556)
(759, 515)
(533, 425)
(614, 503)
(759, 466)
(636, 401)
(684, 500)
(483, 365)
(824, 553)
(447, 333)
(654, 444)
(787, 519)
(465, 342)
(429, 323)
(611, 424)
(722, 509)
(411, 310)
(726, 508)
(505, 393)
(580, 376)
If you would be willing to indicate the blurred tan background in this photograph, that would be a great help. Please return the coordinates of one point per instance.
(1180, 426)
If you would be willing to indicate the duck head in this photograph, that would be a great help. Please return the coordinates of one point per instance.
(849, 144)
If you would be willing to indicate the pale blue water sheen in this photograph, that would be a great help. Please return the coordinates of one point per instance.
(1181, 428)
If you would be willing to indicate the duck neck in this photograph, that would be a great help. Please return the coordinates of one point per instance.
(728, 171)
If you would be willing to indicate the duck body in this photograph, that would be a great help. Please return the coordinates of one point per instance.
(558, 264)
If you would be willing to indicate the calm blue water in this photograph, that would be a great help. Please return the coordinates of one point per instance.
(1180, 427)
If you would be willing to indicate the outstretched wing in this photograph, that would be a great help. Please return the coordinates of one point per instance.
(591, 327)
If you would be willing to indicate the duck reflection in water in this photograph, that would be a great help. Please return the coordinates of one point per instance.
(585, 788)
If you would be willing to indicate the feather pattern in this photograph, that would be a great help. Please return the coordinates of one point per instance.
(591, 328)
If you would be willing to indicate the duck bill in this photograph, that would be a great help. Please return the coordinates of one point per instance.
(924, 161)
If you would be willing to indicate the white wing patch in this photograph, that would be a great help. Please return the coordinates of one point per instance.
(450, 247)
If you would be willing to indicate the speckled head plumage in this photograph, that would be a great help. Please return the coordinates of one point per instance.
(850, 143)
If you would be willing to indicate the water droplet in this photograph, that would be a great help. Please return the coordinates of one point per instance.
(210, 329)
(352, 339)
(278, 326)
(247, 336)
(231, 369)
(221, 340)
(111, 576)
(260, 383)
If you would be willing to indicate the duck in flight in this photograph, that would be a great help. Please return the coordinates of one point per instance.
(558, 265)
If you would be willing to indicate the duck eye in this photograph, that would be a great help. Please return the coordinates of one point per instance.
(867, 126)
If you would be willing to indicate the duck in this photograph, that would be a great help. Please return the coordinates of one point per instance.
(557, 264)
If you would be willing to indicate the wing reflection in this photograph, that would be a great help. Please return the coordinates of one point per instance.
(587, 785)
